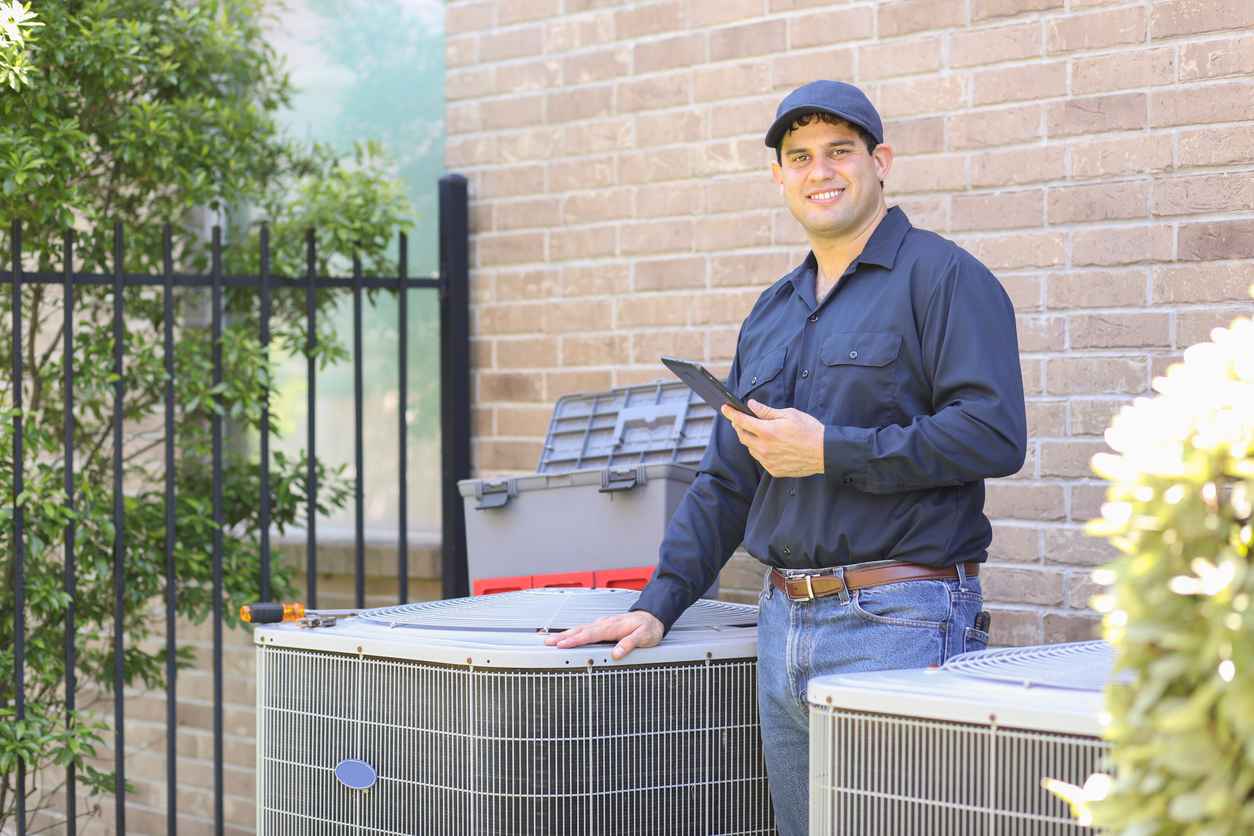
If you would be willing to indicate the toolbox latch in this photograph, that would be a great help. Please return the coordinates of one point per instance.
(622, 478)
(494, 494)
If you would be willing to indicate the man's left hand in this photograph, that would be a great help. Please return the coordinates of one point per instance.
(786, 442)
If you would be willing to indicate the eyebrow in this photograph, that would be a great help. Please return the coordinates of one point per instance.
(834, 144)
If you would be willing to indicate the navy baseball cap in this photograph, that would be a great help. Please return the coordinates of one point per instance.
(834, 97)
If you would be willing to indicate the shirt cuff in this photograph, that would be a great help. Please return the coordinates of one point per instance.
(665, 601)
(846, 452)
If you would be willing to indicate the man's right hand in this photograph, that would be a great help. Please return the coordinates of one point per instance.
(630, 629)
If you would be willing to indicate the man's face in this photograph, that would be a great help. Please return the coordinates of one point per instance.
(829, 180)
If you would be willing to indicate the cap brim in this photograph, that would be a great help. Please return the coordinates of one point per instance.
(782, 122)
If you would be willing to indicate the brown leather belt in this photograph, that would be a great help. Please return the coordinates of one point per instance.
(809, 587)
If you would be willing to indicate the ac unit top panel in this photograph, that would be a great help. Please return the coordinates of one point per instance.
(508, 631)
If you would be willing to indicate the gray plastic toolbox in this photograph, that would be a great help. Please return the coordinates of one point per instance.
(614, 467)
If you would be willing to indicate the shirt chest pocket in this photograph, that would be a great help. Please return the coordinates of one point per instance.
(762, 380)
(857, 383)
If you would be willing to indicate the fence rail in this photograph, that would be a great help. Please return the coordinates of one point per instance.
(451, 285)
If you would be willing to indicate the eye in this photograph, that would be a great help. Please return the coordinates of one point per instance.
(800, 158)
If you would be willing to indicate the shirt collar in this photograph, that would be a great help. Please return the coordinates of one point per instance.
(881, 250)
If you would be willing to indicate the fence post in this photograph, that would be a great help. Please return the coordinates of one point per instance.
(454, 377)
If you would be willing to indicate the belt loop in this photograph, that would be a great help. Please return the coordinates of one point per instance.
(962, 576)
(769, 581)
(844, 589)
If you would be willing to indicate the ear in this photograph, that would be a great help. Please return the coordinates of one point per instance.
(882, 156)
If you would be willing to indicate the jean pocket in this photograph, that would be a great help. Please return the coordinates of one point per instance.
(920, 603)
(974, 638)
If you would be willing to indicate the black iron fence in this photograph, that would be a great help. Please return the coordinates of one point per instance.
(451, 285)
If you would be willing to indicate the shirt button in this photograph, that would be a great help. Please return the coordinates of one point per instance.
(755, 380)
(814, 317)
(792, 491)
(853, 355)
(805, 372)
(848, 480)
(787, 550)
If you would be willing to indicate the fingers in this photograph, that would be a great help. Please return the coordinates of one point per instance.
(646, 635)
(630, 630)
(763, 411)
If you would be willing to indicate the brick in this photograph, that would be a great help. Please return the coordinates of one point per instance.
(786, 230)
(1217, 240)
(670, 53)
(510, 386)
(662, 309)
(831, 27)
(1012, 500)
(917, 96)
(1195, 326)
(1121, 245)
(522, 421)
(517, 11)
(906, 16)
(726, 308)
(1004, 210)
(992, 46)
(751, 229)
(765, 38)
(1096, 289)
(889, 60)
(740, 118)
(1160, 363)
(1121, 157)
(461, 51)
(1232, 192)
(461, 18)
(534, 143)
(1024, 291)
(714, 12)
(1015, 543)
(1072, 547)
(520, 42)
(596, 65)
(1064, 627)
(990, 128)
(730, 156)
(529, 353)
(463, 118)
(1097, 114)
(594, 280)
(793, 5)
(1020, 250)
(570, 175)
(1018, 167)
(1192, 17)
(1041, 333)
(1070, 459)
(1123, 71)
(793, 69)
(648, 19)
(654, 92)
(988, 9)
(654, 165)
(1092, 416)
(1172, 284)
(916, 136)
(1086, 504)
(566, 34)
(514, 248)
(1216, 146)
(595, 350)
(656, 237)
(573, 105)
(598, 207)
(721, 345)
(509, 319)
(669, 127)
(470, 83)
(1216, 59)
(669, 273)
(937, 173)
(1099, 202)
(528, 214)
(1096, 375)
(1047, 418)
(1231, 101)
(1032, 82)
(731, 80)
(1096, 30)
(669, 199)
(582, 242)
(582, 316)
(1014, 628)
(648, 346)
(927, 212)
(560, 384)
(748, 269)
(1021, 586)
(738, 194)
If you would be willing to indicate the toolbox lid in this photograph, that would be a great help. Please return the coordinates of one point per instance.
(653, 423)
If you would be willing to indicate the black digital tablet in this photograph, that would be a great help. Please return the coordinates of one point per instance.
(709, 387)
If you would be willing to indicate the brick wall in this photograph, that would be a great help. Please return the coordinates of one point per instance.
(1098, 156)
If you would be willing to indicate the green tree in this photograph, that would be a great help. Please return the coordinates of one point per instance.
(146, 112)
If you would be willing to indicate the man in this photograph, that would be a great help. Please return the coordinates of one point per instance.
(884, 374)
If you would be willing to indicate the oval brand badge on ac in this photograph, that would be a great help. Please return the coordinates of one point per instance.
(355, 774)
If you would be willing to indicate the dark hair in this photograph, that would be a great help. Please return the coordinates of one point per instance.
(827, 118)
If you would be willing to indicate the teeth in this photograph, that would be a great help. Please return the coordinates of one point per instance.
(826, 195)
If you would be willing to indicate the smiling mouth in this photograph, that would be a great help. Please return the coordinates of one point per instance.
(829, 196)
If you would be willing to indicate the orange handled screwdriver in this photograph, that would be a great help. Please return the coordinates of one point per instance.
(272, 612)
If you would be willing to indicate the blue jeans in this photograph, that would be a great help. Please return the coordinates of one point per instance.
(911, 624)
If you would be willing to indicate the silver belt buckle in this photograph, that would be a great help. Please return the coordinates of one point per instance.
(809, 587)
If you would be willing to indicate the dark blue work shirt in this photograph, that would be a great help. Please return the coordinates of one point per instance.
(912, 364)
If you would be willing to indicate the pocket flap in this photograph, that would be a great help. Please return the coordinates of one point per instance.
(860, 349)
(763, 371)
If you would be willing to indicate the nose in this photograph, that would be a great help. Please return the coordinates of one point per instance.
(822, 169)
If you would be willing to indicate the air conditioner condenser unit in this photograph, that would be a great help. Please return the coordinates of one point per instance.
(452, 717)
